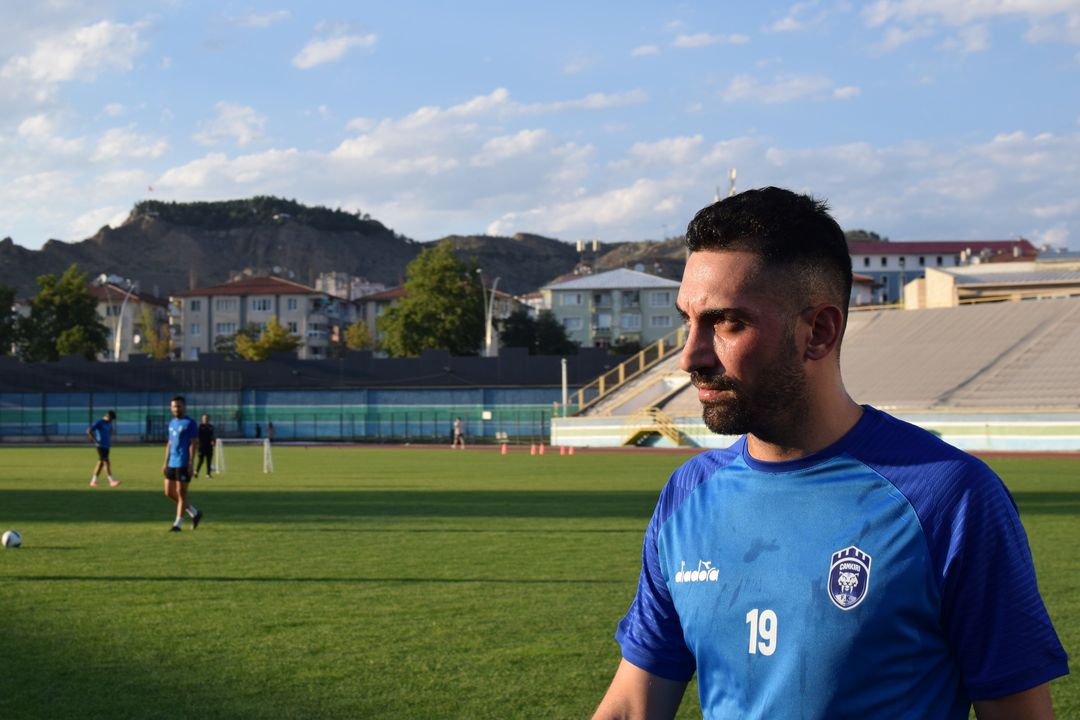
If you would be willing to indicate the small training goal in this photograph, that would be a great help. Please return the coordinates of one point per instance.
(242, 443)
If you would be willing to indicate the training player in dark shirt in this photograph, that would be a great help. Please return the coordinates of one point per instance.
(207, 441)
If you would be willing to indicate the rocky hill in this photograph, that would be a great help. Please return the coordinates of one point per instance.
(169, 247)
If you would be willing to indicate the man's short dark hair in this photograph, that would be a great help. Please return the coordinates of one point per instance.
(793, 234)
(111, 414)
(179, 398)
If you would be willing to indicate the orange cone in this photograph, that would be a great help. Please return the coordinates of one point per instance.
(532, 449)
(571, 449)
(562, 449)
(541, 448)
(503, 450)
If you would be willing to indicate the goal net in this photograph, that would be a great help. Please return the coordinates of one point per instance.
(235, 444)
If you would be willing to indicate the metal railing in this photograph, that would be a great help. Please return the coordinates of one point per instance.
(626, 371)
(652, 420)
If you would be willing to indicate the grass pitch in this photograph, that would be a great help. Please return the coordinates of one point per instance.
(362, 583)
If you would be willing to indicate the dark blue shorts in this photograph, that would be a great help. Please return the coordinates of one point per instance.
(180, 474)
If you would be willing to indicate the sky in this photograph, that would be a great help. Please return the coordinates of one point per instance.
(914, 119)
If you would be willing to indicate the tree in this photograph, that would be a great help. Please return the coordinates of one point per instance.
(7, 320)
(357, 336)
(551, 336)
(543, 336)
(226, 344)
(274, 338)
(155, 334)
(519, 330)
(863, 236)
(63, 320)
(443, 308)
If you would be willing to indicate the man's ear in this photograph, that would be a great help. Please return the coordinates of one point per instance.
(826, 323)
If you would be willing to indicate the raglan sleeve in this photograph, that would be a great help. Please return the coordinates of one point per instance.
(650, 634)
(993, 615)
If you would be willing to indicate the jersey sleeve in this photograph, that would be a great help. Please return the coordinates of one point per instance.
(650, 635)
(992, 612)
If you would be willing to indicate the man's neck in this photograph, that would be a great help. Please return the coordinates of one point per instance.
(816, 431)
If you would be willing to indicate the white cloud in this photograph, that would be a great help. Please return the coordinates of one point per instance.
(320, 51)
(38, 132)
(905, 20)
(705, 39)
(261, 21)
(115, 109)
(847, 92)
(236, 123)
(79, 54)
(507, 147)
(121, 143)
(90, 222)
(972, 39)
(645, 50)
(782, 89)
(670, 151)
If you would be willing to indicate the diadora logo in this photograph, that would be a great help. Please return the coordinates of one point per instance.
(849, 577)
(705, 573)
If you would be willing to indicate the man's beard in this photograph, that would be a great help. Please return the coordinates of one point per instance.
(766, 410)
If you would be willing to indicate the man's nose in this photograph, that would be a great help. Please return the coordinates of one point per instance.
(698, 353)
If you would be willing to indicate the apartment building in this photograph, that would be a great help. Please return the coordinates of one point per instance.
(619, 305)
(199, 317)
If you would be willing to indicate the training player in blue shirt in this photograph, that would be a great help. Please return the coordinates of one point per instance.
(179, 454)
(100, 433)
(834, 562)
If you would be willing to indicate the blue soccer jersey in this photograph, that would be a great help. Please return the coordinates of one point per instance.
(885, 576)
(102, 430)
(181, 432)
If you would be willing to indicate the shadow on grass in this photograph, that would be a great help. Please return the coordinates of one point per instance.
(323, 580)
(1048, 503)
(321, 507)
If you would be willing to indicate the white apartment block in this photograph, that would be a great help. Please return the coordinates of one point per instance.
(600, 310)
(199, 317)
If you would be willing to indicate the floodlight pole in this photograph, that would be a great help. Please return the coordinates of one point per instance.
(565, 396)
(489, 313)
(117, 339)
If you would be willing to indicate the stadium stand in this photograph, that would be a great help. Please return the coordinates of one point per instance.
(977, 365)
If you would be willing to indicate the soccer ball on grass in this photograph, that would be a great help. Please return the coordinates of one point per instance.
(11, 539)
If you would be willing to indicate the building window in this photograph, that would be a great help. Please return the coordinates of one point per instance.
(571, 299)
(195, 305)
(602, 299)
(261, 304)
(225, 328)
(293, 326)
(112, 311)
(631, 298)
(631, 321)
(292, 304)
(572, 324)
(866, 262)
(660, 298)
(603, 321)
(922, 261)
(226, 304)
(660, 321)
(884, 262)
(195, 328)
(316, 352)
(193, 353)
(939, 261)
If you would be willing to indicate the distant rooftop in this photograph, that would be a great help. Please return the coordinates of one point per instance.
(930, 247)
(614, 280)
(252, 286)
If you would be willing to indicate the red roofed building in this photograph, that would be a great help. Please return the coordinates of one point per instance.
(894, 264)
(200, 317)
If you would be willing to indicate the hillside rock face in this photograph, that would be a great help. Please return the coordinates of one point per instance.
(165, 257)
